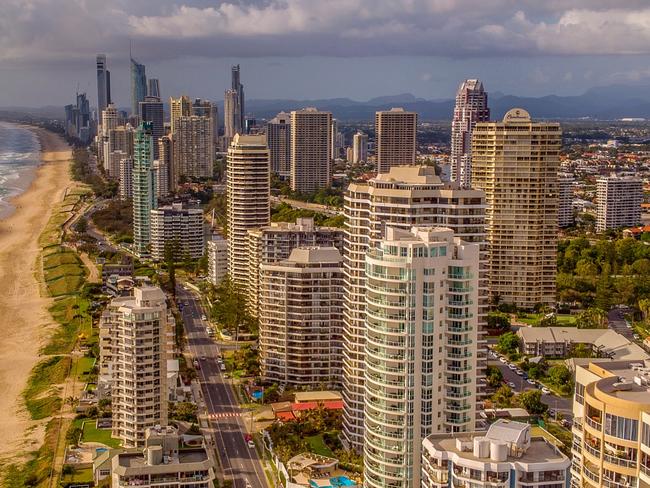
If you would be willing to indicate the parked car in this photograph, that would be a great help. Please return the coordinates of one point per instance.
(546, 391)
(531, 382)
(511, 384)
(512, 367)
(503, 360)
(520, 372)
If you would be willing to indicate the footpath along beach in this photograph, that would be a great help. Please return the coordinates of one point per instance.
(25, 320)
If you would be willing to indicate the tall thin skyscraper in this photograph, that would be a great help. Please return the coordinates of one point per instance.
(311, 157)
(138, 85)
(103, 84)
(231, 114)
(179, 107)
(144, 191)
(151, 110)
(420, 353)
(239, 88)
(248, 196)
(153, 87)
(278, 137)
(404, 197)
(471, 107)
(395, 132)
(359, 148)
(516, 163)
(333, 142)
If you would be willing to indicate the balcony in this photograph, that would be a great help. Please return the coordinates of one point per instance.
(594, 423)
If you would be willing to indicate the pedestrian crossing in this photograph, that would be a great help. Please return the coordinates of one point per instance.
(223, 415)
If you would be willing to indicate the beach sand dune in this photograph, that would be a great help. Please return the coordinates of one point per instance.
(25, 321)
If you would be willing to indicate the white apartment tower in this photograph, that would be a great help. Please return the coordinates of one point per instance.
(193, 148)
(231, 114)
(248, 195)
(359, 148)
(407, 196)
(161, 176)
(275, 242)
(395, 133)
(618, 200)
(565, 200)
(471, 107)
(311, 154)
(300, 318)
(179, 107)
(278, 137)
(420, 351)
(180, 227)
(217, 259)
(126, 178)
(139, 372)
(516, 163)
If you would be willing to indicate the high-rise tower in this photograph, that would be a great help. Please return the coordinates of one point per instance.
(151, 110)
(103, 84)
(471, 107)
(239, 88)
(193, 150)
(248, 195)
(153, 87)
(311, 157)
(516, 163)
(359, 148)
(404, 197)
(179, 107)
(395, 132)
(231, 117)
(144, 191)
(278, 136)
(138, 85)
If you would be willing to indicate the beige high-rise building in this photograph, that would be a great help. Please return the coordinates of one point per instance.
(359, 148)
(275, 242)
(217, 251)
(516, 163)
(161, 177)
(395, 134)
(193, 148)
(121, 139)
(139, 365)
(248, 195)
(126, 178)
(404, 197)
(231, 114)
(611, 425)
(179, 226)
(178, 107)
(300, 318)
(166, 156)
(420, 352)
(311, 145)
(618, 200)
(110, 120)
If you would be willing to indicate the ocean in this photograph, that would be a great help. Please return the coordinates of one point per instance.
(19, 157)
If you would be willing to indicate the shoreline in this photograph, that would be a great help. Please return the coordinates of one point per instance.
(29, 324)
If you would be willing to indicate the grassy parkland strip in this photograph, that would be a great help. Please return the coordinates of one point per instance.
(63, 276)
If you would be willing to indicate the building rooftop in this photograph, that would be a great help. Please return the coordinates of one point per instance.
(315, 255)
(317, 396)
(628, 381)
(608, 341)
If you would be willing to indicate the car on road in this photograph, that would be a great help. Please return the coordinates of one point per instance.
(531, 382)
(203, 358)
(203, 317)
(197, 365)
(222, 366)
(503, 360)
(520, 372)
(512, 367)
(511, 384)
(251, 443)
(636, 337)
(546, 391)
(186, 303)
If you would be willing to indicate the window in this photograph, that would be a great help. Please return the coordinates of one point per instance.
(621, 427)
(580, 393)
(646, 434)
(443, 251)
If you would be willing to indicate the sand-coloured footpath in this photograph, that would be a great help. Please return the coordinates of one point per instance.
(24, 319)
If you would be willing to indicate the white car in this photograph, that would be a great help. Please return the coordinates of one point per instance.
(251, 443)
(519, 372)
(531, 382)
(546, 391)
(503, 360)
(511, 384)
(512, 367)
(203, 317)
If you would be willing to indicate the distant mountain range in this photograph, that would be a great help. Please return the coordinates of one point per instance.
(604, 103)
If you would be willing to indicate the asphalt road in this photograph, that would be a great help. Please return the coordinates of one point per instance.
(616, 320)
(224, 413)
(559, 404)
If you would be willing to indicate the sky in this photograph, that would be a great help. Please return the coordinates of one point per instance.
(310, 49)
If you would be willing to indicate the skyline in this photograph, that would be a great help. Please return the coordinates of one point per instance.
(293, 49)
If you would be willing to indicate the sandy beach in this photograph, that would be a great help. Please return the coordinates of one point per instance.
(26, 323)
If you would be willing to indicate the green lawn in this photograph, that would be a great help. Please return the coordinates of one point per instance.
(80, 475)
(563, 320)
(92, 434)
(317, 446)
(83, 366)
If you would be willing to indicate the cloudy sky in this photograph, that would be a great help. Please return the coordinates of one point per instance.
(322, 48)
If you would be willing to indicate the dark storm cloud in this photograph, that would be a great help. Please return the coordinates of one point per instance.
(68, 30)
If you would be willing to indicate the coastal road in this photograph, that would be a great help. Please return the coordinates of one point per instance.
(224, 413)
(556, 403)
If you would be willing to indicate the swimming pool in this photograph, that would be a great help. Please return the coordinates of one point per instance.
(257, 394)
(335, 482)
